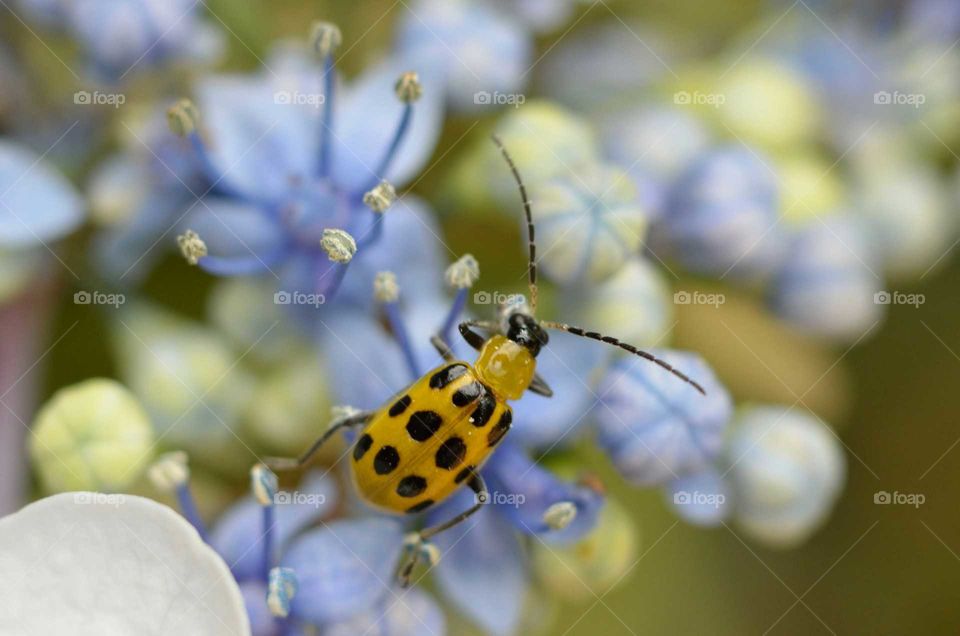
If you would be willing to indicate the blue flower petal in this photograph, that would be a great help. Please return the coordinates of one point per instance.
(367, 117)
(259, 144)
(703, 499)
(37, 204)
(231, 228)
(344, 567)
(262, 622)
(409, 612)
(365, 362)
(482, 570)
(534, 488)
(238, 534)
(656, 427)
(565, 365)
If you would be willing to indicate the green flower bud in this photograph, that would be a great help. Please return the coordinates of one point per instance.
(94, 435)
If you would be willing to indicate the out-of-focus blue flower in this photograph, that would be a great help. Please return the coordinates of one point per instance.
(483, 566)
(119, 37)
(238, 534)
(654, 144)
(37, 207)
(829, 282)
(536, 489)
(588, 224)
(722, 216)
(37, 204)
(403, 612)
(481, 54)
(654, 426)
(786, 470)
(286, 170)
(344, 567)
(602, 66)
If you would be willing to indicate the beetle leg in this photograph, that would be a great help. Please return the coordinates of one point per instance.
(479, 487)
(442, 348)
(293, 463)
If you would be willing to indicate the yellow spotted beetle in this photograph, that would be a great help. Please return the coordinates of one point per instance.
(433, 438)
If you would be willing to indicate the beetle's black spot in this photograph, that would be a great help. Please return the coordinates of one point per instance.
(485, 407)
(400, 406)
(420, 507)
(386, 460)
(411, 486)
(498, 431)
(362, 446)
(467, 393)
(463, 474)
(446, 375)
(423, 424)
(451, 453)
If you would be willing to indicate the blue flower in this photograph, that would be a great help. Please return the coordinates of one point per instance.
(288, 169)
(723, 216)
(481, 54)
(829, 284)
(117, 38)
(655, 427)
(38, 206)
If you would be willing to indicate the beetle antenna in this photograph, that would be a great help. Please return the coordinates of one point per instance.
(577, 331)
(531, 239)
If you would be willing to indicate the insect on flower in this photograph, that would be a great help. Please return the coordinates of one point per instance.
(435, 436)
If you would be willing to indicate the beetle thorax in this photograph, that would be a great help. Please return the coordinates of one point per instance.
(506, 367)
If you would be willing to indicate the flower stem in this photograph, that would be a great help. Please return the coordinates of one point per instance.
(381, 172)
(456, 309)
(403, 337)
(326, 117)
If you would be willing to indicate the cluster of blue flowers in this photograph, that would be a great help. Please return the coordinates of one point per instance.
(654, 182)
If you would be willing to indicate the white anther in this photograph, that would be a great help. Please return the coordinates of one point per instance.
(325, 38)
(339, 245)
(381, 197)
(463, 273)
(560, 515)
(192, 246)
(170, 471)
(385, 287)
(408, 87)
